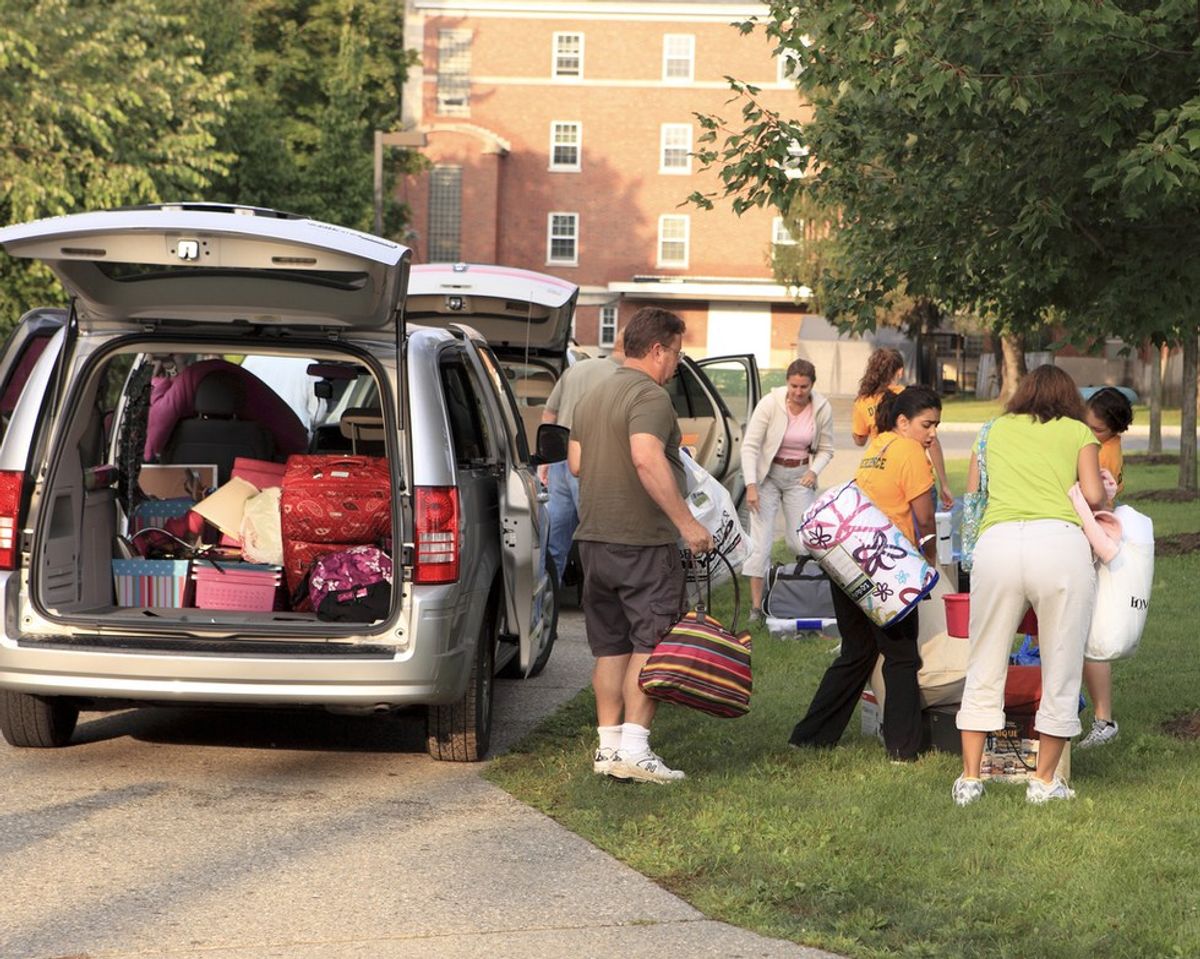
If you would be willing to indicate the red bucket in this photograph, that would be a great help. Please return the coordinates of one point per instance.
(1029, 623)
(958, 614)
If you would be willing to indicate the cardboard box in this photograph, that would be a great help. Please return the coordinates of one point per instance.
(152, 582)
(1010, 755)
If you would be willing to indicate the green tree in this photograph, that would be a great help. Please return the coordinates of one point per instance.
(1006, 158)
(104, 104)
(315, 79)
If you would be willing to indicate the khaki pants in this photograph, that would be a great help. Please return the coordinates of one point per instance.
(1046, 564)
(780, 488)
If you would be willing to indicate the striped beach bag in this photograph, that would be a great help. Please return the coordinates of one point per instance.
(701, 664)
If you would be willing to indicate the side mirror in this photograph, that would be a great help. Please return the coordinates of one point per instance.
(552, 441)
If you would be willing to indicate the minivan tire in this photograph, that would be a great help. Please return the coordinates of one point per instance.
(36, 722)
(512, 669)
(461, 732)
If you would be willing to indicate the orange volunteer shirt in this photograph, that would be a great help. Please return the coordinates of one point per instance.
(895, 471)
(862, 422)
(1113, 460)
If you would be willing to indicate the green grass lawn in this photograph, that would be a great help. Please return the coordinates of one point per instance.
(844, 851)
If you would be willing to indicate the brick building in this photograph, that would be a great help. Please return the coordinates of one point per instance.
(560, 136)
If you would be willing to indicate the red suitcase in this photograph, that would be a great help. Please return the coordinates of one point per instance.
(336, 498)
(298, 558)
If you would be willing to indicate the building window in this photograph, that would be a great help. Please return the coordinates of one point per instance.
(445, 214)
(565, 144)
(673, 233)
(563, 239)
(788, 67)
(608, 326)
(675, 155)
(781, 235)
(454, 73)
(679, 57)
(568, 56)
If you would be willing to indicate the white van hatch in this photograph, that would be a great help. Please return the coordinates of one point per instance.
(216, 263)
(511, 308)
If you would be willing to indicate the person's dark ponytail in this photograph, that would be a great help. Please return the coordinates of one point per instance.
(908, 403)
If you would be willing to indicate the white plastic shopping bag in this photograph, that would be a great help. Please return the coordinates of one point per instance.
(711, 504)
(1123, 590)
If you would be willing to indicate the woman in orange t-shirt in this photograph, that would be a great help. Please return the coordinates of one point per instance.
(885, 370)
(896, 475)
(1108, 415)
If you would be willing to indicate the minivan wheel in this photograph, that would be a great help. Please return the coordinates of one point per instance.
(461, 732)
(37, 722)
(512, 669)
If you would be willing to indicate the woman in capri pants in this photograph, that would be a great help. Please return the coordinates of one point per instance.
(788, 441)
(1031, 551)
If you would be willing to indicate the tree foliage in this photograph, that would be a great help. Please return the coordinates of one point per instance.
(1006, 158)
(105, 104)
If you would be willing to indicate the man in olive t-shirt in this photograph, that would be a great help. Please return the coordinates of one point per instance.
(632, 514)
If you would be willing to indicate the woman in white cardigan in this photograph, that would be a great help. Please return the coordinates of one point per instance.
(788, 441)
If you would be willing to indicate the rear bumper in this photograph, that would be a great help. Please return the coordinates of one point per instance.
(431, 669)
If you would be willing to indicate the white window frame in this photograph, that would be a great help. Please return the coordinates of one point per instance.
(606, 334)
(780, 234)
(788, 68)
(551, 237)
(555, 54)
(444, 106)
(685, 51)
(686, 220)
(665, 134)
(554, 128)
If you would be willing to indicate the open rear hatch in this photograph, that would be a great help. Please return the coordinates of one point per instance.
(171, 289)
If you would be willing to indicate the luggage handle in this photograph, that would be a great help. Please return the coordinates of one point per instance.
(702, 605)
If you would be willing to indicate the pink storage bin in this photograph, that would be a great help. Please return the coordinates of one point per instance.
(242, 586)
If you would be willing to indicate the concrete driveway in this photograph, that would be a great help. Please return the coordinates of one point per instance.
(183, 833)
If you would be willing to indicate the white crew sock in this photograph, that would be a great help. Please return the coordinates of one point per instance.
(635, 740)
(610, 737)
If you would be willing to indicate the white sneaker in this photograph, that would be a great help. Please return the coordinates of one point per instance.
(965, 791)
(646, 767)
(1038, 792)
(1103, 731)
(602, 761)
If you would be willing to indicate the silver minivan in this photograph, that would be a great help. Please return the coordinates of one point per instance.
(472, 594)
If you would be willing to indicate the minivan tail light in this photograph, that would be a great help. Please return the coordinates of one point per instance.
(11, 484)
(435, 536)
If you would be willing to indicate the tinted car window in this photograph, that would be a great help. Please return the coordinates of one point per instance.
(467, 423)
(687, 396)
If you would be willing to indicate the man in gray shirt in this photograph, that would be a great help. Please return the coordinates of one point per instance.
(632, 513)
(563, 506)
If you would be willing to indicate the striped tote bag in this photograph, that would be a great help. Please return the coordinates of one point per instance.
(702, 665)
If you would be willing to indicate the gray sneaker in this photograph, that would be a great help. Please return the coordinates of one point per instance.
(646, 767)
(965, 791)
(1038, 792)
(755, 618)
(1103, 731)
(602, 761)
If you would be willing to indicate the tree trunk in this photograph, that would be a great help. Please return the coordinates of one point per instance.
(1187, 434)
(1158, 359)
(1013, 350)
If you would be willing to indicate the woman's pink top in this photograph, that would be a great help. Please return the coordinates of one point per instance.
(799, 435)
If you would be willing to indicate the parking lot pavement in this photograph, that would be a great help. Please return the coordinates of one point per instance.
(233, 835)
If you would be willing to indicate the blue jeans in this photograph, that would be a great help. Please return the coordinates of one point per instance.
(564, 514)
